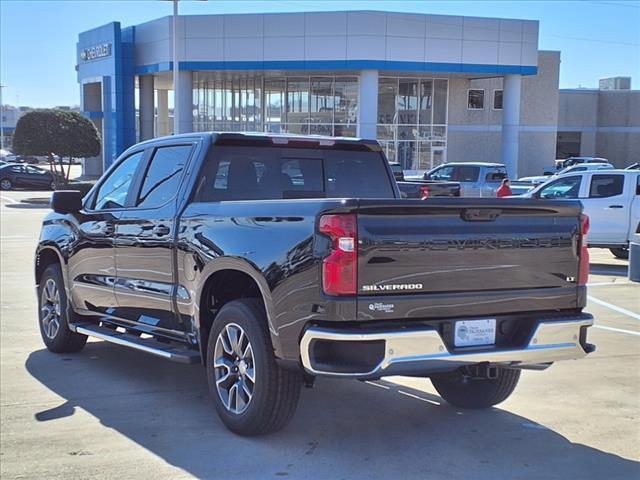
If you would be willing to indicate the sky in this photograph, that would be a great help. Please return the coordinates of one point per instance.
(597, 39)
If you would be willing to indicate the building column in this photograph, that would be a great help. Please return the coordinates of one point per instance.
(183, 103)
(147, 109)
(511, 123)
(162, 127)
(368, 104)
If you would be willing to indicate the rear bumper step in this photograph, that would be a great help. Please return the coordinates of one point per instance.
(351, 353)
(170, 352)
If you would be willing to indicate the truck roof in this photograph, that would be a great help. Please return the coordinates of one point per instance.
(266, 138)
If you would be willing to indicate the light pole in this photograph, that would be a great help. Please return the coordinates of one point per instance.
(1, 120)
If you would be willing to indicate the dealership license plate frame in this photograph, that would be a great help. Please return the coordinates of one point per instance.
(474, 333)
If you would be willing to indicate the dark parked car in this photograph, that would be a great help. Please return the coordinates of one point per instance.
(19, 175)
(273, 260)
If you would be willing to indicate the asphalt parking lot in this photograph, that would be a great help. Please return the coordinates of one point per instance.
(108, 412)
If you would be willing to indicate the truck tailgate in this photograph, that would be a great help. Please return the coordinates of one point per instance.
(466, 251)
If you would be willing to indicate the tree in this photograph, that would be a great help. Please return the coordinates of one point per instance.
(56, 132)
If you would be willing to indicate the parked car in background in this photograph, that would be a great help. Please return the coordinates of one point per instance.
(423, 189)
(538, 180)
(610, 198)
(29, 159)
(568, 162)
(17, 175)
(476, 179)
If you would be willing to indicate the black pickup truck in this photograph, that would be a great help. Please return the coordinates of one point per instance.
(272, 260)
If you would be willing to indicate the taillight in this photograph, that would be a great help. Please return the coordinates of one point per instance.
(583, 267)
(424, 193)
(340, 268)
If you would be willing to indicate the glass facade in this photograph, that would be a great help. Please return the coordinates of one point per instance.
(412, 112)
(322, 105)
(412, 120)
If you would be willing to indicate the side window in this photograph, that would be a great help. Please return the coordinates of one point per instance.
(162, 178)
(17, 169)
(568, 187)
(606, 186)
(34, 171)
(467, 173)
(113, 191)
(496, 174)
(444, 173)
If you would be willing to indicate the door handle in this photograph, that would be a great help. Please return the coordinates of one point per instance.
(108, 229)
(161, 230)
(616, 206)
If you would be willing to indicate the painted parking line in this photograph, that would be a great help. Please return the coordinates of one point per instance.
(615, 308)
(617, 330)
(607, 284)
(7, 199)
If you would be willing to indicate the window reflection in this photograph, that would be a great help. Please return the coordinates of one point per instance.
(412, 121)
(321, 105)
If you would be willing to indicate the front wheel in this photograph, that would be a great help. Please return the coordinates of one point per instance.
(52, 186)
(6, 184)
(252, 394)
(467, 392)
(620, 252)
(54, 314)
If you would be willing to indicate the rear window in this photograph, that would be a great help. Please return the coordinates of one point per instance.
(270, 173)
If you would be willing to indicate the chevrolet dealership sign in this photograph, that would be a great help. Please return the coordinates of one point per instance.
(97, 51)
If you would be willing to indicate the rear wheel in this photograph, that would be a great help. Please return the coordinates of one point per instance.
(620, 252)
(52, 185)
(252, 394)
(467, 392)
(6, 184)
(55, 313)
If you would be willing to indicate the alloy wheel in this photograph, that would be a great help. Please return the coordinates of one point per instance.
(5, 185)
(50, 309)
(234, 368)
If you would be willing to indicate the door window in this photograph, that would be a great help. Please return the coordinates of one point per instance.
(568, 187)
(163, 175)
(114, 190)
(606, 186)
(35, 171)
(466, 173)
(444, 173)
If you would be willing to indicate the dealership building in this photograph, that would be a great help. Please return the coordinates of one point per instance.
(429, 88)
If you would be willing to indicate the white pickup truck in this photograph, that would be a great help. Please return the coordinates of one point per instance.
(610, 198)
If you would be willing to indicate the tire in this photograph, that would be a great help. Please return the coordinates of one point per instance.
(52, 186)
(274, 391)
(54, 314)
(6, 184)
(466, 392)
(620, 252)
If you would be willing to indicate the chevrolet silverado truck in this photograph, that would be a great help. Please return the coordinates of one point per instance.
(273, 260)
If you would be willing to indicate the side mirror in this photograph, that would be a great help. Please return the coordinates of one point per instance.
(66, 201)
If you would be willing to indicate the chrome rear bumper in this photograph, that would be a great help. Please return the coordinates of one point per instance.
(422, 351)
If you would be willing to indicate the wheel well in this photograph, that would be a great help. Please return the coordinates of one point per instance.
(220, 288)
(45, 258)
